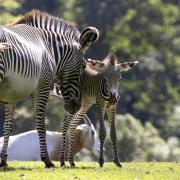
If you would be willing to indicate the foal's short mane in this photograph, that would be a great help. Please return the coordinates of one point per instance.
(36, 18)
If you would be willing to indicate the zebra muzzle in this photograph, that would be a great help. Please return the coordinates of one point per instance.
(113, 99)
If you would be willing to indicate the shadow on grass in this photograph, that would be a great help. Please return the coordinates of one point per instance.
(6, 169)
(81, 167)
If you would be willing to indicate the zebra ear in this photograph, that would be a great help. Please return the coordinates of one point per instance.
(126, 65)
(95, 62)
(98, 65)
(88, 35)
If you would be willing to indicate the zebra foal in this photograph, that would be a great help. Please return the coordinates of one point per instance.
(100, 85)
(33, 52)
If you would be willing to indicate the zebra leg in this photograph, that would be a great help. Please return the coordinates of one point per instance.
(8, 127)
(40, 101)
(111, 117)
(64, 130)
(102, 133)
(74, 123)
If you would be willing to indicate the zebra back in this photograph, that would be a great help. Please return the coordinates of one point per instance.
(45, 21)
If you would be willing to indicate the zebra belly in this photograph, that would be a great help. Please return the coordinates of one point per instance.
(14, 88)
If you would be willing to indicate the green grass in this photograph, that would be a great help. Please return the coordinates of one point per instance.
(90, 171)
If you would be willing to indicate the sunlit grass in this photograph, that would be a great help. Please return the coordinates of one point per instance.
(89, 171)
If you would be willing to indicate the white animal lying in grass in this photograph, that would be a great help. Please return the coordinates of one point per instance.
(25, 146)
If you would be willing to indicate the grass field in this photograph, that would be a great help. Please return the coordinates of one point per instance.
(90, 171)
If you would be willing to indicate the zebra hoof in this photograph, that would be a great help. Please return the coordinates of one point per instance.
(101, 162)
(117, 163)
(101, 165)
(72, 164)
(62, 164)
(50, 165)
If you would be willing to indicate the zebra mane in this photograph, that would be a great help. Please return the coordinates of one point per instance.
(43, 20)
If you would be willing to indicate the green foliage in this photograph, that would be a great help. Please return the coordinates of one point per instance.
(148, 31)
(91, 171)
(72, 11)
(141, 143)
(24, 115)
(172, 125)
(7, 11)
(55, 7)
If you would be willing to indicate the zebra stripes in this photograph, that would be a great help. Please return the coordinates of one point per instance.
(33, 52)
(65, 43)
(8, 127)
(99, 86)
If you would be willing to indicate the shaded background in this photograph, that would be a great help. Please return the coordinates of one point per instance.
(148, 120)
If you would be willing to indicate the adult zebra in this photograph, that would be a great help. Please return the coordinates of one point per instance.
(34, 51)
(100, 85)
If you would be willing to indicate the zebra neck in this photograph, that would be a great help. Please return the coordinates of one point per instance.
(91, 83)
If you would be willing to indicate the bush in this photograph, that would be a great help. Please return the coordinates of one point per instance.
(137, 142)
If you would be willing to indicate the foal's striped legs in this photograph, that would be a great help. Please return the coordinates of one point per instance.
(64, 130)
(111, 117)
